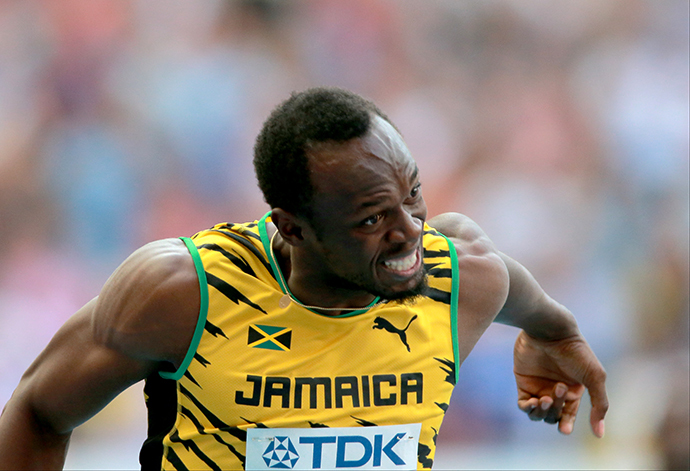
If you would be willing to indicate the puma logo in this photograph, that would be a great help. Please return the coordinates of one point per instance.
(381, 323)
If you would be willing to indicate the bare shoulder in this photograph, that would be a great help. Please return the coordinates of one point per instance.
(484, 280)
(477, 255)
(144, 317)
(463, 229)
(149, 306)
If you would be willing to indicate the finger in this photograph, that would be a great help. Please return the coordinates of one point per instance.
(553, 414)
(540, 411)
(600, 404)
(570, 408)
(528, 405)
(567, 422)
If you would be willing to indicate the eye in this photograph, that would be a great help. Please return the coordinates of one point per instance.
(415, 192)
(372, 220)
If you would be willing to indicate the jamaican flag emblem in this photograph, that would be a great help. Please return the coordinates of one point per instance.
(269, 337)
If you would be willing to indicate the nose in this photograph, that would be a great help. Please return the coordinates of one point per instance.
(406, 228)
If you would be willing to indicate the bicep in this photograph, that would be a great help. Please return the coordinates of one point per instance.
(76, 376)
(526, 304)
(523, 292)
(144, 317)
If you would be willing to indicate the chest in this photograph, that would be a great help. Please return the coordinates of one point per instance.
(290, 359)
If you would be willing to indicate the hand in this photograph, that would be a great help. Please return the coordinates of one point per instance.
(551, 377)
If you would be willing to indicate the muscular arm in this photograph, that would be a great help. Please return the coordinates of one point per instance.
(483, 282)
(143, 318)
(553, 364)
(531, 309)
(526, 306)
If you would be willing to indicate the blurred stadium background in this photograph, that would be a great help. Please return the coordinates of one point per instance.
(561, 127)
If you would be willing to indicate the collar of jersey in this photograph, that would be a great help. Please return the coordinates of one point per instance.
(266, 241)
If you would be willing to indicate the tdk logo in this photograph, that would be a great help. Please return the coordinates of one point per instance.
(280, 453)
(382, 448)
(367, 450)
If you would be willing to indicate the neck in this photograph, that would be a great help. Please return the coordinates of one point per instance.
(314, 290)
(310, 288)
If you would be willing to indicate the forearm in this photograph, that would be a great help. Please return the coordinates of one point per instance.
(26, 443)
(529, 308)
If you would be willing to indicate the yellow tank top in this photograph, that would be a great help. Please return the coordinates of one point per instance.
(258, 363)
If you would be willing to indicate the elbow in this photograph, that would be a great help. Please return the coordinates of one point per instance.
(23, 425)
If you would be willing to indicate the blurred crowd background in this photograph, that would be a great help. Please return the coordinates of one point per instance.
(561, 127)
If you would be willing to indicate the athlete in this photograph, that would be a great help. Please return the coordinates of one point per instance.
(327, 334)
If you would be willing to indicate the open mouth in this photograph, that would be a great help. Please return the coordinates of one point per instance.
(404, 265)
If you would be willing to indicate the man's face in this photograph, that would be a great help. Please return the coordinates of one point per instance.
(369, 214)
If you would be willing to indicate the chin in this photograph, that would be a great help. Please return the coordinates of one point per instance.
(405, 296)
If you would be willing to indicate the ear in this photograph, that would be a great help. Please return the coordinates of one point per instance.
(290, 226)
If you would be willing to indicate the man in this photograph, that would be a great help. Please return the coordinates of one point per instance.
(326, 335)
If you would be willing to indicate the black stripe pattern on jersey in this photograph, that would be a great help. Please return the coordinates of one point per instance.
(423, 452)
(236, 260)
(231, 292)
(214, 329)
(242, 229)
(248, 245)
(364, 423)
(189, 376)
(256, 424)
(438, 295)
(175, 461)
(215, 421)
(429, 253)
(190, 445)
(449, 369)
(433, 270)
(187, 413)
(204, 362)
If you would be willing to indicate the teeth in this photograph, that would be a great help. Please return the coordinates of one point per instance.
(402, 264)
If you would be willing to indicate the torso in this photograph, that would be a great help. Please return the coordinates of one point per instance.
(262, 365)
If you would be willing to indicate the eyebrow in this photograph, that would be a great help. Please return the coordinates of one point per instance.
(377, 201)
(415, 173)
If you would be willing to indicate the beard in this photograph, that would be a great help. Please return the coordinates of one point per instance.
(408, 296)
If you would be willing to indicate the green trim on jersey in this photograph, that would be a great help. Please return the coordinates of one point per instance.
(203, 312)
(266, 241)
(454, 294)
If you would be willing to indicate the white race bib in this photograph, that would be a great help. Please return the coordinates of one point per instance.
(387, 447)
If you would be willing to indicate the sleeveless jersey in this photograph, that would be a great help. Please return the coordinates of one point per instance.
(258, 362)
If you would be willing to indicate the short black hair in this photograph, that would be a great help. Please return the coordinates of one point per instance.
(313, 115)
